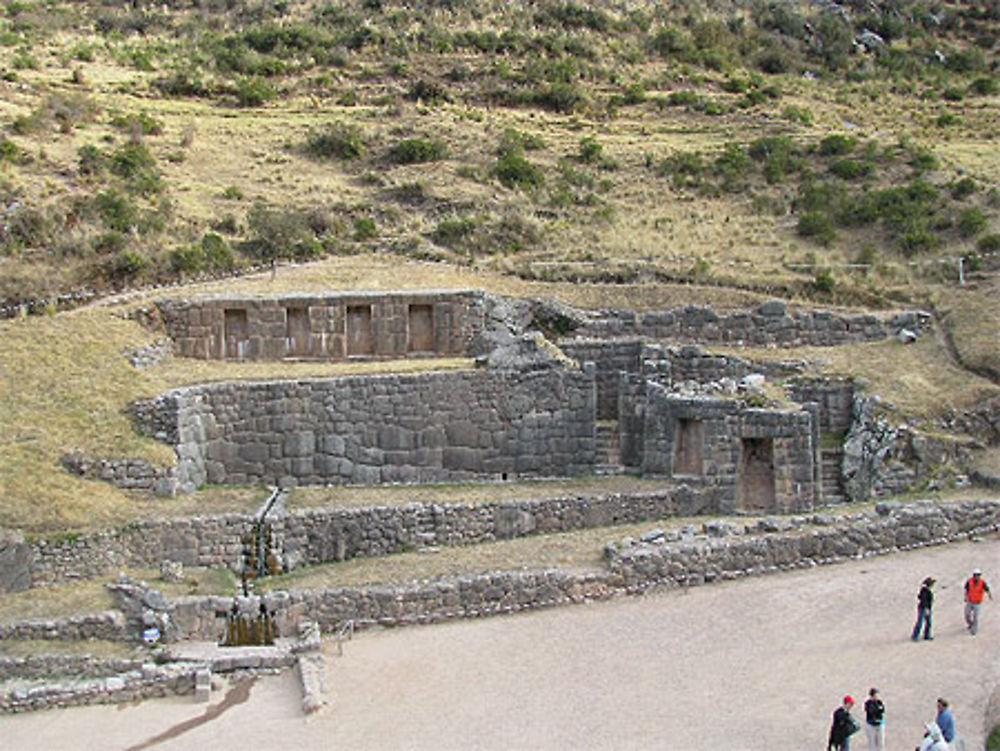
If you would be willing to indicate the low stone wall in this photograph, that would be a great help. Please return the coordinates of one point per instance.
(146, 682)
(323, 535)
(106, 626)
(43, 667)
(723, 551)
(770, 324)
(894, 527)
(796, 542)
(128, 474)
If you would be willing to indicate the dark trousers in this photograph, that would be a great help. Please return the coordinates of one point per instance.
(923, 619)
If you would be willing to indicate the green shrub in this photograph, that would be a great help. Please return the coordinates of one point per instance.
(817, 225)
(590, 150)
(684, 97)
(513, 170)
(961, 189)
(131, 159)
(798, 114)
(233, 193)
(971, 222)
(823, 281)
(686, 167)
(561, 97)
(429, 92)
(989, 243)
(918, 239)
(278, 233)
(984, 86)
(218, 255)
(126, 265)
(254, 91)
(837, 145)
(365, 229)
(924, 160)
(516, 140)
(188, 259)
(416, 150)
(635, 93)
(117, 211)
(851, 169)
(337, 141)
(141, 124)
(453, 231)
(10, 152)
(947, 119)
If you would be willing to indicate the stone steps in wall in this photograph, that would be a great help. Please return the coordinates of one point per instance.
(831, 461)
(607, 449)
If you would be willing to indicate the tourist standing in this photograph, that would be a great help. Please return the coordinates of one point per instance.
(925, 606)
(945, 720)
(975, 589)
(843, 727)
(875, 721)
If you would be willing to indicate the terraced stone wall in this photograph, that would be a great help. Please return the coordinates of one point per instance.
(431, 427)
(334, 326)
(769, 324)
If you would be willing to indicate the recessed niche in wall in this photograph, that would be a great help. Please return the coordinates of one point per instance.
(297, 335)
(688, 447)
(236, 333)
(421, 329)
(359, 330)
(757, 474)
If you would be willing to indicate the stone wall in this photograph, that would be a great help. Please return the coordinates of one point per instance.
(128, 474)
(331, 326)
(731, 446)
(324, 535)
(770, 324)
(891, 528)
(106, 626)
(771, 546)
(610, 358)
(145, 682)
(431, 427)
(834, 396)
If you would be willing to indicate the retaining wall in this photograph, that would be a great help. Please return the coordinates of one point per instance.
(769, 324)
(324, 535)
(430, 427)
(330, 326)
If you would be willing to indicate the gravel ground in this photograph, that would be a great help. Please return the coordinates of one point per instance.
(752, 665)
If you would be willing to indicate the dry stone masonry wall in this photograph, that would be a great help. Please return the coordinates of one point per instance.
(323, 535)
(395, 428)
(328, 327)
(769, 324)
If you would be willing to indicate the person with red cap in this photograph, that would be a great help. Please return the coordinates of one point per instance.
(844, 726)
(975, 589)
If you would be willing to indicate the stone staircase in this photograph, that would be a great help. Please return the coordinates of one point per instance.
(607, 454)
(833, 482)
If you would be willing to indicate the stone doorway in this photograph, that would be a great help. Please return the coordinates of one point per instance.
(297, 332)
(688, 447)
(421, 321)
(757, 475)
(359, 330)
(237, 333)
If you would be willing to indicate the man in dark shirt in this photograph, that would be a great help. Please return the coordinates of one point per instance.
(875, 721)
(925, 604)
(843, 727)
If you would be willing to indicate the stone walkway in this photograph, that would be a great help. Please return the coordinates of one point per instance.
(753, 665)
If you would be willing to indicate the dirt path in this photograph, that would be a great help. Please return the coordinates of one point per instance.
(754, 665)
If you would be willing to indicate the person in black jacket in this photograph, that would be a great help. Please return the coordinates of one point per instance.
(875, 721)
(925, 604)
(843, 727)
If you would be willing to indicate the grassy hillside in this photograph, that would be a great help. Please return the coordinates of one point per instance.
(630, 154)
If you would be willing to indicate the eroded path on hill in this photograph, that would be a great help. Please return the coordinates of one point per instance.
(747, 665)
